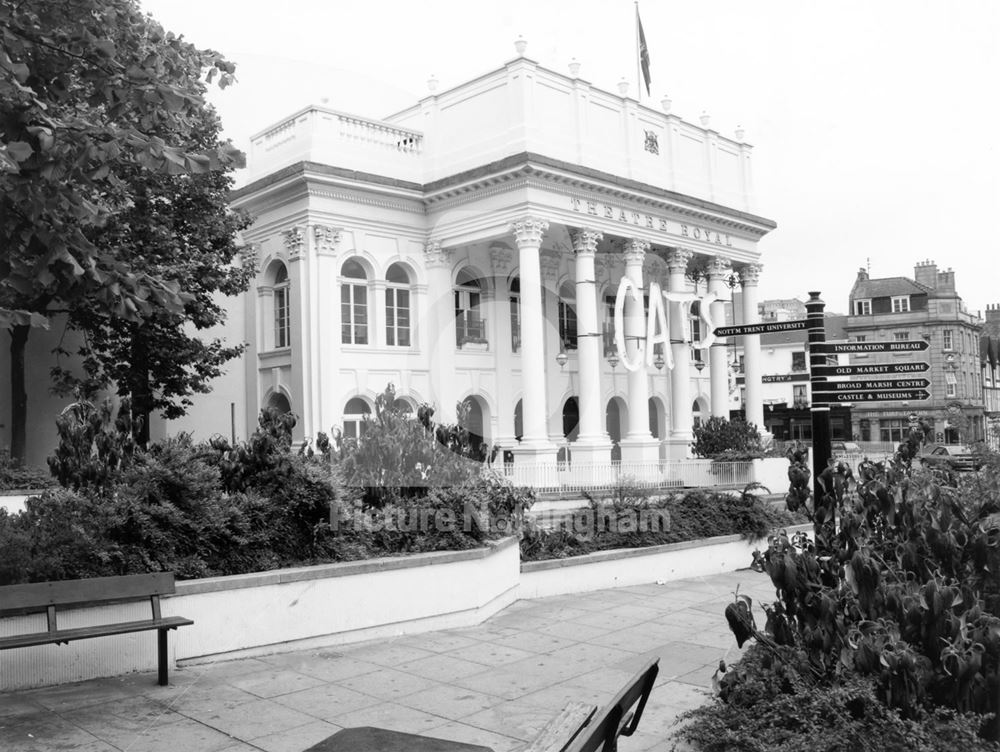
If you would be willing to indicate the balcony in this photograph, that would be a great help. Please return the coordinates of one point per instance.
(470, 333)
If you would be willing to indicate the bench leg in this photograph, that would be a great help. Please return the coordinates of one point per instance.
(161, 655)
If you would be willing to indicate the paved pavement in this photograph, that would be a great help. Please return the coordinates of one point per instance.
(495, 684)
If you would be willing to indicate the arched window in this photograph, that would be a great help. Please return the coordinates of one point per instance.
(567, 316)
(282, 335)
(518, 420)
(696, 413)
(470, 326)
(397, 306)
(354, 414)
(279, 402)
(515, 314)
(353, 304)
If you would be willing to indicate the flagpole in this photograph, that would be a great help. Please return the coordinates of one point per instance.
(638, 56)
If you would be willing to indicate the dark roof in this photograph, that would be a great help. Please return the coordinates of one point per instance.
(886, 287)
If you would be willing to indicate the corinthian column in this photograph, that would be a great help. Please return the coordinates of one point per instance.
(592, 445)
(753, 403)
(638, 445)
(681, 419)
(441, 337)
(535, 445)
(719, 270)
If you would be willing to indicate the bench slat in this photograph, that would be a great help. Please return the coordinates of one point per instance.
(562, 729)
(40, 595)
(82, 633)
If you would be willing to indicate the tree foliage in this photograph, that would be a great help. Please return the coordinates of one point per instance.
(717, 436)
(90, 88)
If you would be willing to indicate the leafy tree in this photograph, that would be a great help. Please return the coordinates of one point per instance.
(85, 85)
(173, 225)
(717, 436)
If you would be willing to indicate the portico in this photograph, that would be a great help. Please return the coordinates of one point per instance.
(482, 237)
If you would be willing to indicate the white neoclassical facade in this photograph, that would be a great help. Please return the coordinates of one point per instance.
(470, 249)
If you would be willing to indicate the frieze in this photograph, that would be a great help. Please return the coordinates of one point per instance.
(650, 221)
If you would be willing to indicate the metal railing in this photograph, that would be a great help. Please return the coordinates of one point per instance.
(566, 476)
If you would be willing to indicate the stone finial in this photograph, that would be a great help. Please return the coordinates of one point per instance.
(529, 231)
(750, 274)
(666, 103)
(585, 241)
(294, 241)
(520, 44)
(635, 251)
(574, 68)
(326, 238)
(678, 258)
(623, 87)
(435, 255)
(705, 118)
(739, 133)
(432, 83)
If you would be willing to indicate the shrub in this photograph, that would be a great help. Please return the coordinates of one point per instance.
(718, 438)
(900, 600)
(691, 515)
(92, 450)
(16, 476)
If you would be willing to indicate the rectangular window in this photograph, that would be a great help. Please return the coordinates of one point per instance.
(515, 323)
(397, 317)
(354, 314)
(798, 361)
(281, 338)
(900, 303)
(567, 326)
(862, 308)
(946, 336)
(951, 384)
(893, 429)
(697, 354)
(861, 338)
(799, 397)
(901, 336)
(470, 326)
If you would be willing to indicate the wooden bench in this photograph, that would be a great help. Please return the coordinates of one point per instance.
(52, 597)
(578, 728)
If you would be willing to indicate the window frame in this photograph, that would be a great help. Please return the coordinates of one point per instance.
(863, 307)
(350, 288)
(902, 300)
(393, 308)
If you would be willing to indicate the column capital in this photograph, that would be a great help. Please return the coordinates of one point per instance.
(635, 251)
(678, 258)
(585, 241)
(750, 274)
(294, 240)
(250, 256)
(528, 231)
(719, 268)
(326, 238)
(435, 255)
(501, 257)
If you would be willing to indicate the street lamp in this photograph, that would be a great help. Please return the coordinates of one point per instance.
(658, 361)
(613, 360)
(561, 358)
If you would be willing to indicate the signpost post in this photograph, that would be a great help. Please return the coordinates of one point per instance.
(820, 414)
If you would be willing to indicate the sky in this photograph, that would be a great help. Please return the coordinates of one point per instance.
(870, 119)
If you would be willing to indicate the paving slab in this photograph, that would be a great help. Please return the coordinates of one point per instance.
(495, 684)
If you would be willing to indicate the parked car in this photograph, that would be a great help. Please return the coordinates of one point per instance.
(845, 447)
(949, 457)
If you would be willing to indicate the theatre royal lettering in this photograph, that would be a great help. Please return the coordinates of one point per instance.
(649, 222)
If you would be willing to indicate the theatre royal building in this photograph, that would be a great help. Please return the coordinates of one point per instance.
(470, 251)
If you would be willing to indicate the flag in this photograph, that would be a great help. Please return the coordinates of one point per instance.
(643, 51)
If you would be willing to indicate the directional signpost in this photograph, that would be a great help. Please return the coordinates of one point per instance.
(895, 346)
(870, 385)
(860, 395)
(878, 369)
(773, 326)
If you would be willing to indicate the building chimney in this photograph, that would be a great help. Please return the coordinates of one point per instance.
(992, 319)
(946, 280)
(925, 273)
(862, 274)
